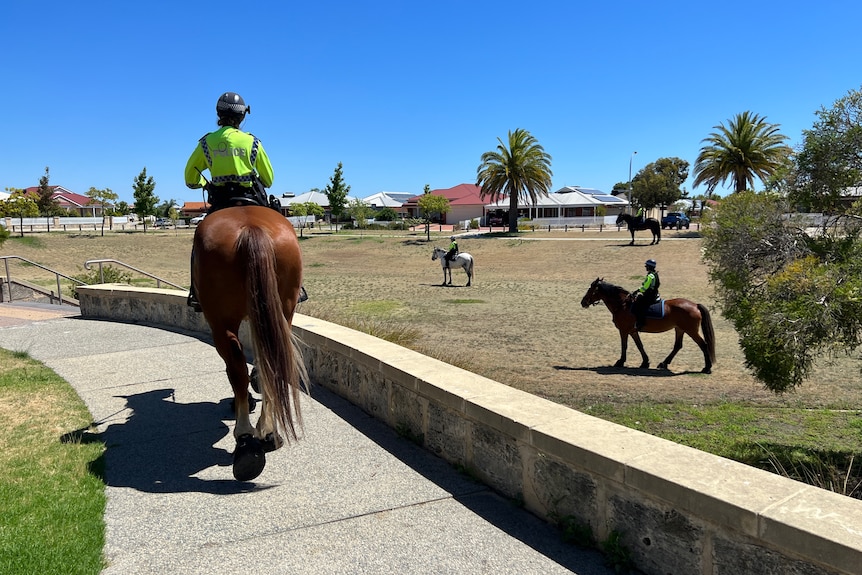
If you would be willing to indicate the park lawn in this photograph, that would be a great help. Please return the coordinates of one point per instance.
(521, 324)
(51, 489)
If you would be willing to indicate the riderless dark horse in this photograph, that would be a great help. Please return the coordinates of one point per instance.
(682, 315)
(635, 224)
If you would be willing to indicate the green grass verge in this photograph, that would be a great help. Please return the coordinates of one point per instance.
(51, 489)
(821, 447)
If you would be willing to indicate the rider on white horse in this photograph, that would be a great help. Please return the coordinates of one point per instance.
(453, 251)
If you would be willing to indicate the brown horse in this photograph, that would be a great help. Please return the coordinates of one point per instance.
(247, 264)
(685, 316)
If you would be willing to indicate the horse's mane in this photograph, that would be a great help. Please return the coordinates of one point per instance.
(613, 290)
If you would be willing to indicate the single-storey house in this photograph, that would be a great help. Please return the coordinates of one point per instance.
(318, 198)
(570, 205)
(464, 201)
(193, 209)
(71, 201)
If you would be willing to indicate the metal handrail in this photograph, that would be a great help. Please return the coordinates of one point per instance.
(57, 275)
(159, 281)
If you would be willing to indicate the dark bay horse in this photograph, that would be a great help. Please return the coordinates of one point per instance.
(634, 225)
(682, 315)
(247, 264)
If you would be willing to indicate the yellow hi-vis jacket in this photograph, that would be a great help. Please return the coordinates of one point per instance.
(231, 156)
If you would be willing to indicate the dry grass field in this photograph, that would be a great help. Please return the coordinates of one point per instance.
(521, 323)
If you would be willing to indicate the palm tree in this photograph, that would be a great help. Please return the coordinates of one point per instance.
(748, 147)
(522, 170)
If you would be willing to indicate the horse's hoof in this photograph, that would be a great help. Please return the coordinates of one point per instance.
(272, 442)
(620, 363)
(645, 365)
(249, 458)
(662, 365)
(706, 370)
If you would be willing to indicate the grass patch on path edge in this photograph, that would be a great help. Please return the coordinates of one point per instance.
(52, 490)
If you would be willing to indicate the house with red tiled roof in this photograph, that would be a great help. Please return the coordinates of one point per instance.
(192, 209)
(68, 200)
(464, 202)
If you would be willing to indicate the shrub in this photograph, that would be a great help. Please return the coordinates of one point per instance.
(109, 273)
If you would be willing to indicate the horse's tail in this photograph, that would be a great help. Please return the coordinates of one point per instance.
(277, 354)
(708, 331)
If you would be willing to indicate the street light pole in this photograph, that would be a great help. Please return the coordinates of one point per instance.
(630, 180)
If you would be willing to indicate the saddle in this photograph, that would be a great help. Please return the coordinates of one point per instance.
(654, 311)
(229, 195)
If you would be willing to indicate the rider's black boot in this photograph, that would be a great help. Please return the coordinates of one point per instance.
(192, 300)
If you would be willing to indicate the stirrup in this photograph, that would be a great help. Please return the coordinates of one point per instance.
(193, 303)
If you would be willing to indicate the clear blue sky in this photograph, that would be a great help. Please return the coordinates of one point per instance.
(405, 93)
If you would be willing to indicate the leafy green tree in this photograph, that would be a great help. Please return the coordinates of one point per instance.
(122, 209)
(791, 297)
(305, 209)
(830, 160)
(386, 214)
(103, 198)
(45, 200)
(145, 199)
(359, 211)
(163, 210)
(523, 170)
(620, 189)
(658, 183)
(748, 148)
(336, 192)
(20, 204)
(431, 205)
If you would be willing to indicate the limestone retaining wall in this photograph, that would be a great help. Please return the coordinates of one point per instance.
(679, 510)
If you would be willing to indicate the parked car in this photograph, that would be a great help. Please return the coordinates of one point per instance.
(197, 219)
(676, 220)
(161, 223)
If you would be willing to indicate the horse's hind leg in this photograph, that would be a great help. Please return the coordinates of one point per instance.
(677, 345)
(248, 458)
(707, 368)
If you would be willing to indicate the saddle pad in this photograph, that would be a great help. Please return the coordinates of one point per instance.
(656, 310)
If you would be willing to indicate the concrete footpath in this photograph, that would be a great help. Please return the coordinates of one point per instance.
(350, 497)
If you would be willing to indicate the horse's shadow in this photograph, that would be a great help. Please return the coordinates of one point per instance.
(163, 445)
(443, 285)
(629, 371)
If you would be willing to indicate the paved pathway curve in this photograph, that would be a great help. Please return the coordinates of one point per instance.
(350, 497)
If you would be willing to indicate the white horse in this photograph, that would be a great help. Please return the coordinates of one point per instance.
(462, 260)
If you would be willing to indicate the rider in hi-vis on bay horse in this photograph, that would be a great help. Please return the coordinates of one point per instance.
(246, 264)
(239, 167)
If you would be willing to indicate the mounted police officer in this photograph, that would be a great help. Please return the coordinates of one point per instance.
(646, 295)
(239, 168)
(453, 251)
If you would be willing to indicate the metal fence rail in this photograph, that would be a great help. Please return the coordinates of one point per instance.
(159, 281)
(87, 265)
(57, 275)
